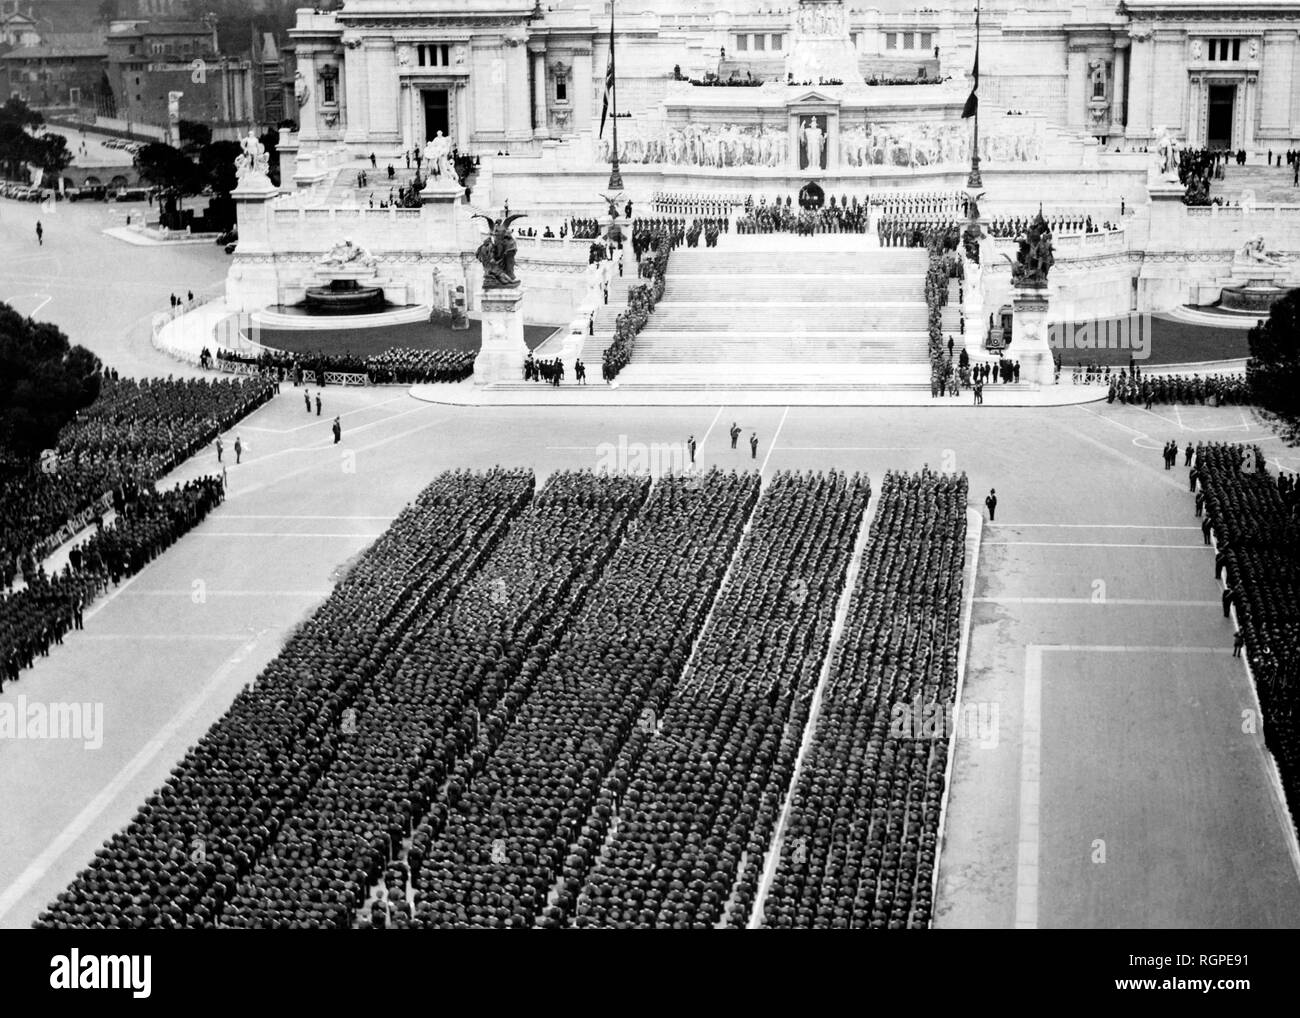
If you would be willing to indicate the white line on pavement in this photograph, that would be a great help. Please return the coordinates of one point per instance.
(1097, 526)
(772, 445)
(1026, 914)
(28, 879)
(276, 533)
(1086, 544)
(1126, 601)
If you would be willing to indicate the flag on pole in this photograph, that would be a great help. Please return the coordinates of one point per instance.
(609, 75)
(973, 100)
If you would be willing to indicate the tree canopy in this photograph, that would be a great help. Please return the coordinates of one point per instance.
(1274, 365)
(22, 144)
(44, 381)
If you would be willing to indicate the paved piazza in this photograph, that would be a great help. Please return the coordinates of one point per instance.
(1130, 707)
(928, 245)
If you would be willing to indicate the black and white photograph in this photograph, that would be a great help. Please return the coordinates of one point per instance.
(600, 465)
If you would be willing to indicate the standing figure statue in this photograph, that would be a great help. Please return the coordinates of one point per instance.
(252, 158)
(437, 152)
(814, 144)
(497, 252)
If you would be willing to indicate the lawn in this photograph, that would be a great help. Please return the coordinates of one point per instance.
(360, 342)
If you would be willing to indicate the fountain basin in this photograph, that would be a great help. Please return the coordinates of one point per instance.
(344, 297)
(1254, 297)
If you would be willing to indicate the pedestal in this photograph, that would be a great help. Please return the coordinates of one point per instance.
(441, 189)
(1029, 343)
(503, 351)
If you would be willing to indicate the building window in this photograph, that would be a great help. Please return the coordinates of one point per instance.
(760, 42)
(1236, 49)
(927, 40)
(891, 40)
(778, 41)
(742, 42)
(561, 88)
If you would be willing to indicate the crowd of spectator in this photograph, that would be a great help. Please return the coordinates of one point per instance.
(1254, 517)
(716, 753)
(860, 847)
(48, 606)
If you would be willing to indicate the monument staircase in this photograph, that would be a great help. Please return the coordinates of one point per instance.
(778, 311)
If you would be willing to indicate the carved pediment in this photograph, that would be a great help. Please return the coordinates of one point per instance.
(813, 97)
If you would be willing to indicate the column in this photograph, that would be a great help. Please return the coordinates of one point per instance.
(582, 101)
(1141, 81)
(460, 129)
(518, 116)
(1249, 88)
(1117, 89)
(1196, 111)
(307, 112)
(408, 126)
(381, 69)
(541, 128)
(355, 97)
(1076, 89)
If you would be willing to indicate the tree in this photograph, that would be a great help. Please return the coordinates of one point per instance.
(194, 135)
(18, 144)
(107, 10)
(168, 168)
(44, 381)
(50, 153)
(1274, 366)
(217, 166)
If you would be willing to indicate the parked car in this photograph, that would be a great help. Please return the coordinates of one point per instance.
(131, 194)
(89, 192)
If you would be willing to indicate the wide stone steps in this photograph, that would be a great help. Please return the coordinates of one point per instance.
(774, 377)
(789, 318)
(784, 288)
(853, 265)
(693, 347)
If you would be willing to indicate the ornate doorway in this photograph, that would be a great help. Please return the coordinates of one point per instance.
(437, 112)
(1220, 106)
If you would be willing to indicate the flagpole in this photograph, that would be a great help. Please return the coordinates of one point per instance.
(615, 177)
(973, 178)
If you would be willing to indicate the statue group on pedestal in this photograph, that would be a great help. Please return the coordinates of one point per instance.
(438, 155)
(1034, 258)
(820, 19)
(497, 252)
(253, 159)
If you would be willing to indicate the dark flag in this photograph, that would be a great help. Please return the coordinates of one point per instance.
(609, 75)
(973, 100)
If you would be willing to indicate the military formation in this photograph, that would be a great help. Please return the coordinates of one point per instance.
(40, 613)
(1211, 390)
